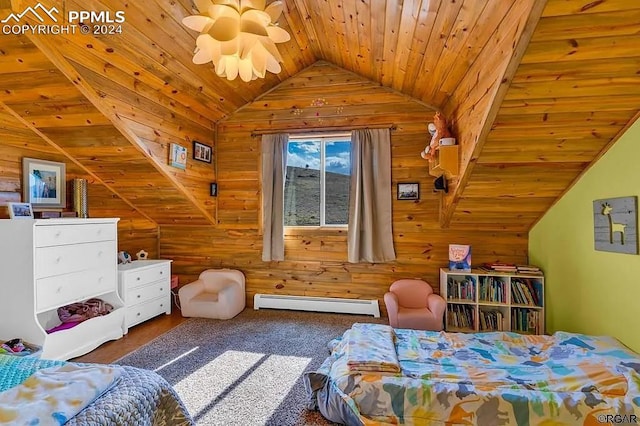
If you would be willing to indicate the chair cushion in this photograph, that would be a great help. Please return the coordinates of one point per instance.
(418, 319)
(205, 297)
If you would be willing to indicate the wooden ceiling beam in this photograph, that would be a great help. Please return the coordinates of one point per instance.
(493, 98)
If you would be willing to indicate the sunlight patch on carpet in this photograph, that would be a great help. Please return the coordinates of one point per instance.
(176, 359)
(210, 381)
(274, 377)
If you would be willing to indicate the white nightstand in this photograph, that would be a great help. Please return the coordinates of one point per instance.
(145, 288)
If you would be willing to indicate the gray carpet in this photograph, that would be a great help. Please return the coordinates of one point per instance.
(248, 370)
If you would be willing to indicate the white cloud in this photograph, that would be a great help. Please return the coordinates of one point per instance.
(340, 163)
(297, 160)
(308, 147)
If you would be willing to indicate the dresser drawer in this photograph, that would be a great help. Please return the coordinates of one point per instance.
(144, 276)
(148, 292)
(60, 290)
(144, 311)
(54, 235)
(59, 260)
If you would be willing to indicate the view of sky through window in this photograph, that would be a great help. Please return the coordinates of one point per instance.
(317, 182)
(307, 155)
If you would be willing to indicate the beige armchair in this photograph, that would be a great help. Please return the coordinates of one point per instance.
(411, 304)
(217, 294)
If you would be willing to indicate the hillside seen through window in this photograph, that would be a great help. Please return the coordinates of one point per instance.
(316, 190)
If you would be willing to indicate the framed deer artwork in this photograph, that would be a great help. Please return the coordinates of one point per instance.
(615, 224)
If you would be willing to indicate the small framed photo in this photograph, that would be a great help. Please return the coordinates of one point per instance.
(178, 156)
(20, 210)
(409, 191)
(213, 190)
(202, 152)
(43, 183)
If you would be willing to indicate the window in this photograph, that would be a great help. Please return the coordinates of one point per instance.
(316, 189)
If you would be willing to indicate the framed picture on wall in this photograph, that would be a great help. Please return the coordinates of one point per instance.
(20, 211)
(409, 191)
(202, 152)
(43, 183)
(178, 156)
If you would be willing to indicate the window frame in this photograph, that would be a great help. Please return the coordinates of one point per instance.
(323, 138)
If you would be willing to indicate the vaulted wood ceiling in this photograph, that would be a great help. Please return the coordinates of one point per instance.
(530, 116)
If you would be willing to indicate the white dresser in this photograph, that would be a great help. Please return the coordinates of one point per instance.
(145, 288)
(49, 263)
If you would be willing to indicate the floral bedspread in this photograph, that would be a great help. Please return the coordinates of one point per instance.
(484, 378)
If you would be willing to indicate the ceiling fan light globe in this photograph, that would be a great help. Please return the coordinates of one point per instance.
(274, 10)
(197, 22)
(259, 62)
(230, 48)
(247, 44)
(231, 67)
(225, 28)
(245, 70)
(252, 4)
(232, 3)
(277, 34)
(273, 65)
(239, 37)
(203, 5)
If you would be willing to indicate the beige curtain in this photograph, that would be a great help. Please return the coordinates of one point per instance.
(370, 232)
(274, 166)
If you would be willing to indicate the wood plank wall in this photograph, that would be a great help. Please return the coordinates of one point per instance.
(325, 96)
(134, 231)
(120, 133)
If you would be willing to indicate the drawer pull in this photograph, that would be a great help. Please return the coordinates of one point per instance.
(138, 279)
(138, 314)
(139, 296)
(100, 253)
(59, 290)
(162, 305)
(161, 288)
(58, 259)
(58, 234)
(161, 272)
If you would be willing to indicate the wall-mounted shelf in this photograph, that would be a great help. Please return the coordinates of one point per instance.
(445, 162)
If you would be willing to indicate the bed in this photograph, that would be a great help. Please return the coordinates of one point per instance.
(379, 375)
(116, 395)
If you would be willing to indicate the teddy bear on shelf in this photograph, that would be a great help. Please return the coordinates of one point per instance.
(438, 130)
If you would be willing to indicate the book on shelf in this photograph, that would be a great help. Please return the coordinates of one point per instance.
(526, 321)
(491, 320)
(499, 267)
(459, 257)
(527, 267)
(529, 270)
(460, 316)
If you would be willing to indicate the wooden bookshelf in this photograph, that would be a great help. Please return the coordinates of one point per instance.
(493, 301)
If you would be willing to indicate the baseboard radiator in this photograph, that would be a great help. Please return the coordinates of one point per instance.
(317, 304)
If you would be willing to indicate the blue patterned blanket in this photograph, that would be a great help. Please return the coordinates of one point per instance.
(140, 397)
(483, 378)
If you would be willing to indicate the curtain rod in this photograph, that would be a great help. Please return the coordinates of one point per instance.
(260, 132)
